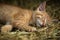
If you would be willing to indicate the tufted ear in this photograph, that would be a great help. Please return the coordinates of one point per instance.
(42, 6)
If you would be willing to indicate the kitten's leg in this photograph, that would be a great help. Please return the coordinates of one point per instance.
(24, 26)
(6, 28)
(27, 28)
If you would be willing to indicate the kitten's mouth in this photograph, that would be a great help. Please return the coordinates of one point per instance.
(39, 23)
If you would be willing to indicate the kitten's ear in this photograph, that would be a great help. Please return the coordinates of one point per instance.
(42, 6)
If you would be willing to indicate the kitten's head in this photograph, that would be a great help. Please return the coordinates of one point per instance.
(41, 15)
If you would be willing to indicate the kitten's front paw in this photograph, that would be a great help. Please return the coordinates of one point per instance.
(33, 29)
